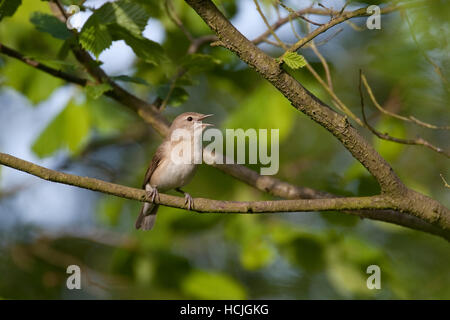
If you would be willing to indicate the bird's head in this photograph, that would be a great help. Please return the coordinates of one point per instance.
(188, 120)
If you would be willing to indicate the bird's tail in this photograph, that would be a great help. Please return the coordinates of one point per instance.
(147, 216)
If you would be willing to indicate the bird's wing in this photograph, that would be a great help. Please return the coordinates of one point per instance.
(156, 160)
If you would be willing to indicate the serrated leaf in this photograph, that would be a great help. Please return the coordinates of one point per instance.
(67, 130)
(95, 36)
(8, 7)
(47, 23)
(112, 16)
(127, 14)
(148, 50)
(64, 50)
(294, 60)
(95, 91)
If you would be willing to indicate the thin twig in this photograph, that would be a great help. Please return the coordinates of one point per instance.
(394, 115)
(324, 63)
(200, 204)
(324, 12)
(445, 182)
(272, 32)
(292, 13)
(339, 19)
(35, 64)
(338, 103)
(385, 136)
(173, 16)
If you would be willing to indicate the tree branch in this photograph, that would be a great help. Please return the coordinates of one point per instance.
(380, 202)
(415, 203)
(33, 63)
(344, 16)
(266, 184)
(271, 184)
(297, 14)
(419, 141)
(201, 204)
(394, 115)
(300, 97)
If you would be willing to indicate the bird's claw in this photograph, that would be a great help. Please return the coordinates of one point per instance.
(154, 194)
(188, 201)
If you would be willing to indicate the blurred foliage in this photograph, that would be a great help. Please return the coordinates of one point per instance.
(213, 256)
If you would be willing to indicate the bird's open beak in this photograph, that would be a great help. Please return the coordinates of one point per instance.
(204, 125)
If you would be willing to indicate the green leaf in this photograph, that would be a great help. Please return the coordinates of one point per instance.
(95, 91)
(256, 254)
(148, 50)
(34, 84)
(107, 117)
(95, 36)
(307, 251)
(47, 23)
(347, 260)
(388, 149)
(294, 60)
(68, 129)
(126, 14)
(178, 96)
(70, 2)
(8, 8)
(154, 8)
(64, 50)
(126, 20)
(110, 210)
(215, 286)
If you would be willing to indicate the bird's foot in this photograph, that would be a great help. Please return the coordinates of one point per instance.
(188, 201)
(153, 194)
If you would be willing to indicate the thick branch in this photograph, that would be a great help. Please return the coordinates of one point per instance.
(356, 204)
(418, 141)
(417, 204)
(300, 97)
(201, 204)
(262, 183)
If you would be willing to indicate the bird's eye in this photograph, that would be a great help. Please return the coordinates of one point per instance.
(189, 119)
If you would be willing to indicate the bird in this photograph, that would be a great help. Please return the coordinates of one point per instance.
(165, 172)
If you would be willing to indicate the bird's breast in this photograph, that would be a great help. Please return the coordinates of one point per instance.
(170, 175)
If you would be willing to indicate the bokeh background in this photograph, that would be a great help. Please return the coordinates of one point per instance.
(44, 227)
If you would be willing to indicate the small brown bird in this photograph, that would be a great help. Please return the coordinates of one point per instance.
(166, 174)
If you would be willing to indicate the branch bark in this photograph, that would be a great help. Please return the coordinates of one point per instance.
(303, 100)
(299, 96)
(324, 12)
(355, 204)
(430, 216)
